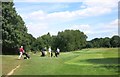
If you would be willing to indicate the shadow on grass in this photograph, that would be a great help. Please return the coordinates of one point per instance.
(108, 63)
(114, 67)
(104, 61)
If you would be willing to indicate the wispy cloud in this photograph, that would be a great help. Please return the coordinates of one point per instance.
(83, 27)
(37, 29)
(105, 29)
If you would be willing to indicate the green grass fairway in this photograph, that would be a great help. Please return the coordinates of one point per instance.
(101, 61)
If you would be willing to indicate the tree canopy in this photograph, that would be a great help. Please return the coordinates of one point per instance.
(70, 40)
(14, 31)
(104, 42)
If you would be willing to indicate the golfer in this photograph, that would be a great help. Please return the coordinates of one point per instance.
(57, 52)
(49, 50)
(44, 51)
(21, 50)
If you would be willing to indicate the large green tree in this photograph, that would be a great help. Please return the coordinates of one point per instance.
(14, 31)
(106, 42)
(70, 40)
(115, 41)
(43, 41)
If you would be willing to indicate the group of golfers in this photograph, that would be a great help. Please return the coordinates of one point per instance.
(50, 52)
(43, 52)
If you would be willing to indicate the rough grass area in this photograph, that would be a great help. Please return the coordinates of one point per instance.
(101, 61)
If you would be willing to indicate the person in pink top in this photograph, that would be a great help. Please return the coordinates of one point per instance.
(21, 52)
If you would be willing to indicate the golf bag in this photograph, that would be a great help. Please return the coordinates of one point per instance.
(43, 52)
(56, 53)
(26, 56)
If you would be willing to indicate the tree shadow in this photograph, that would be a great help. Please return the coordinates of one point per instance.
(104, 61)
(108, 63)
(115, 67)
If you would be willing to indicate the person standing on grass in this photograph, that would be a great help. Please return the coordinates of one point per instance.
(49, 50)
(44, 51)
(57, 52)
(21, 50)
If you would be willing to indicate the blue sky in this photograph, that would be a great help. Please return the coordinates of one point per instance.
(96, 18)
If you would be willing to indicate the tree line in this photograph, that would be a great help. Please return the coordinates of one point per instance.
(67, 40)
(104, 42)
(14, 34)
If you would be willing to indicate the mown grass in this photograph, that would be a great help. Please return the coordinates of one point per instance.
(100, 61)
(9, 62)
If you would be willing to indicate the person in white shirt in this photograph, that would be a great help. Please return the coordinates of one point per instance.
(49, 50)
(57, 52)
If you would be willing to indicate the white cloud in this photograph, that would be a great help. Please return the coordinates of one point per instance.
(93, 8)
(103, 30)
(110, 28)
(113, 24)
(37, 29)
(66, 15)
(40, 29)
(38, 15)
(85, 28)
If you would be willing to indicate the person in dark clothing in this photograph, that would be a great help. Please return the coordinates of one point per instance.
(26, 55)
(43, 51)
(51, 53)
(57, 52)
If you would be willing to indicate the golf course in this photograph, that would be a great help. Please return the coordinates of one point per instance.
(96, 61)
(73, 38)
